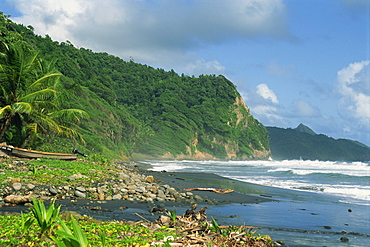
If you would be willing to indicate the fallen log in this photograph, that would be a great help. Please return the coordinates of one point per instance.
(221, 191)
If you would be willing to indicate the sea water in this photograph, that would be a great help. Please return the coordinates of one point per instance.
(317, 202)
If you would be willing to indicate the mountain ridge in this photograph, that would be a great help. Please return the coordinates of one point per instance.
(301, 143)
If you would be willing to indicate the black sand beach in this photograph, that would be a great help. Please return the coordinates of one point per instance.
(126, 210)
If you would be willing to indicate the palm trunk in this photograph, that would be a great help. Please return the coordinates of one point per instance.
(5, 126)
(25, 142)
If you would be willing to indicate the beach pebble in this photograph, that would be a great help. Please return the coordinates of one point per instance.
(30, 186)
(80, 194)
(198, 198)
(80, 188)
(160, 193)
(127, 184)
(17, 186)
(149, 179)
(117, 197)
(53, 191)
(344, 240)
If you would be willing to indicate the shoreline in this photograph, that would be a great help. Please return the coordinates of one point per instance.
(124, 209)
(283, 214)
(301, 218)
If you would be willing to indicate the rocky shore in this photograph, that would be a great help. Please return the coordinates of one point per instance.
(128, 185)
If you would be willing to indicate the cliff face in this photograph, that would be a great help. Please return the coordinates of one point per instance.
(241, 125)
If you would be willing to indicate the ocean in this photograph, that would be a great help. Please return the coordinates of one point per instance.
(318, 203)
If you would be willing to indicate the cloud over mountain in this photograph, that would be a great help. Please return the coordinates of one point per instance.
(153, 31)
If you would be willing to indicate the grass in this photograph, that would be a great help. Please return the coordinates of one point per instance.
(85, 231)
(55, 172)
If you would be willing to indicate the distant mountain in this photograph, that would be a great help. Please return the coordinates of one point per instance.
(304, 129)
(303, 142)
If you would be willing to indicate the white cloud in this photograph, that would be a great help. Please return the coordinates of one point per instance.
(266, 112)
(51, 17)
(264, 105)
(303, 109)
(160, 33)
(200, 66)
(353, 84)
(265, 92)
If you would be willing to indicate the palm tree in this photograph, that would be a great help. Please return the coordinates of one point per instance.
(28, 94)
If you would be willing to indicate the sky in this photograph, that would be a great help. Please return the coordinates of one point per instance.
(293, 61)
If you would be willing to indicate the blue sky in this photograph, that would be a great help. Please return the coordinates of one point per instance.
(293, 61)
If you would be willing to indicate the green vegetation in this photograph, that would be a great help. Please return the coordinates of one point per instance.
(44, 172)
(29, 98)
(77, 233)
(303, 143)
(139, 111)
(46, 219)
(86, 231)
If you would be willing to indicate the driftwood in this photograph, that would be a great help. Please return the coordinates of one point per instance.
(196, 230)
(221, 191)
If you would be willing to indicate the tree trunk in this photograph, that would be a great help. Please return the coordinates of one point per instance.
(5, 126)
(25, 142)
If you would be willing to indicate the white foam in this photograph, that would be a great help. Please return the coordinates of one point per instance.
(288, 174)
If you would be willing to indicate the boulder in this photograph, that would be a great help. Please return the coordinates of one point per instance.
(17, 199)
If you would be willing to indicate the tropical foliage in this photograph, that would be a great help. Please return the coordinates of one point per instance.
(28, 97)
(137, 109)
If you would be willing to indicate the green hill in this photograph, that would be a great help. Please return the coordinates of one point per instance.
(304, 143)
(139, 111)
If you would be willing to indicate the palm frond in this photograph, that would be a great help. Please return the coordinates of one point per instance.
(4, 110)
(40, 82)
(45, 123)
(72, 134)
(45, 106)
(44, 94)
(32, 128)
(22, 107)
(70, 115)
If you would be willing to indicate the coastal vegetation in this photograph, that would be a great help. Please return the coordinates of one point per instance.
(304, 143)
(45, 223)
(136, 110)
(29, 98)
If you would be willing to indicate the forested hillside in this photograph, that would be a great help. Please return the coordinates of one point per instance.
(304, 143)
(139, 111)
